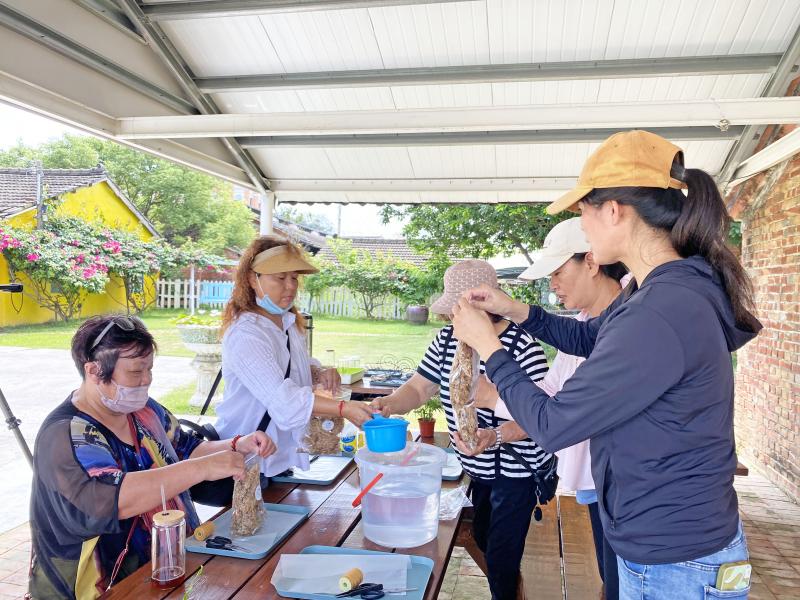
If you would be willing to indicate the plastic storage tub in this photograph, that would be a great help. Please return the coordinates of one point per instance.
(402, 509)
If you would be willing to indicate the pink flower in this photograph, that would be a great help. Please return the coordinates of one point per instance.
(14, 243)
(88, 273)
(210, 268)
(112, 245)
(33, 257)
(80, 258)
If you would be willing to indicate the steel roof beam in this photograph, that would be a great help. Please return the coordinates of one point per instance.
(170, 56)
(199, 9)
(454, 184)
(720, 113)
(111, 13)
(558, 71)
(784, 73)
(52, 39)
(557, 136)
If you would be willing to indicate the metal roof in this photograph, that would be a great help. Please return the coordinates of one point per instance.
(405, 101)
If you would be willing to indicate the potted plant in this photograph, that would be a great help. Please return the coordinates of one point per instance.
(200, 334)
(425, 416)
(418, 285)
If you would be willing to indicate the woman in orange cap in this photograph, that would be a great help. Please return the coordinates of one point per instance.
(655, 394)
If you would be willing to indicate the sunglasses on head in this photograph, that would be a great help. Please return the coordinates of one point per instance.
(124, 323)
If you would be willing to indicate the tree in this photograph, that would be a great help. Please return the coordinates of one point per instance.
(370, 278)
(304, 218)
(232, 229)
(182, 203)
(69, 258)
(475, 230)
(420, 283)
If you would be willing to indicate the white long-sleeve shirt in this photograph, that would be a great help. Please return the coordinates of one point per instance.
(254, 361)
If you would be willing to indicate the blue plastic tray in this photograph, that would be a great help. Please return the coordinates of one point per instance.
(453, 470)
(322, 471)
(418, 574)
(280, 521)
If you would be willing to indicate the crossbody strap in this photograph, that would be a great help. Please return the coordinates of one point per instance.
(443, 350)
(265, 420)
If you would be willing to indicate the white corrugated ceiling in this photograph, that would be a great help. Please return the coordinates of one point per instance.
(395, 35)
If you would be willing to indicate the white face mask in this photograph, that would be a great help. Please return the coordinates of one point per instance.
(127, 399)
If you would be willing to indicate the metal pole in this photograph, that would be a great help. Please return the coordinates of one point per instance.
(267, 212)
(191, 289)
(13, 424)
(39, 200)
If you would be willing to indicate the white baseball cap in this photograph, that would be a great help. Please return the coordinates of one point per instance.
(564, 241)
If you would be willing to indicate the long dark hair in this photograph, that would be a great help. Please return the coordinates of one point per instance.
(697, 223)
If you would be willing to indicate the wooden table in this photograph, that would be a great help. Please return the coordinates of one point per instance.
(332, 522)
(364, 387)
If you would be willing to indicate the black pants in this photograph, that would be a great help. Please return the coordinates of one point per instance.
(606, 558)
(503, 508)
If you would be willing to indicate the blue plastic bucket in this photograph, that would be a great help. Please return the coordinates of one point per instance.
(385, 435)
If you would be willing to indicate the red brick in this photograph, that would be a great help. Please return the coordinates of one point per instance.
(768, 377)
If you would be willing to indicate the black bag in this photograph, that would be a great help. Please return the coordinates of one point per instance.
(546, 479)
(220, 492)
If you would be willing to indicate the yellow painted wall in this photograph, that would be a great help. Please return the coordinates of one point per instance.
(97, 203)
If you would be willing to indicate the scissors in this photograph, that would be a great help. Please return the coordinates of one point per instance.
(372, 591)
(222, 543)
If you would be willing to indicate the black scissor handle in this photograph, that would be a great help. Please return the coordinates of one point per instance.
(365, 590)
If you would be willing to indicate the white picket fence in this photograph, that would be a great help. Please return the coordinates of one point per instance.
(341, 302)
(335, 302)
(175, 293)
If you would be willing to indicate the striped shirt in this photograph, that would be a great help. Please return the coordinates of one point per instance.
(436, 366)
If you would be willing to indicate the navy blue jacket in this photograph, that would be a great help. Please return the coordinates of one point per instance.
(655, 396)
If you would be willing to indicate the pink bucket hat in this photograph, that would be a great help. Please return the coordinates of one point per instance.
(461, 277)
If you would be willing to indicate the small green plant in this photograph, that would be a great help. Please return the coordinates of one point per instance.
(430, 408)
(201, 317)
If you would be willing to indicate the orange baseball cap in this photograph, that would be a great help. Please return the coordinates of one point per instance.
(628, 159)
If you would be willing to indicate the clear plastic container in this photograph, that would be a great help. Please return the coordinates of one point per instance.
(167, 551)
(402, 508)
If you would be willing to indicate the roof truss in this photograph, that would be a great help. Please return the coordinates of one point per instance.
(556, 71)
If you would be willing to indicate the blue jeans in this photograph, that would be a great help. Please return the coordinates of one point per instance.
(690, 580)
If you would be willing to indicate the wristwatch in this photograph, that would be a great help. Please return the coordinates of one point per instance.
(498, 434)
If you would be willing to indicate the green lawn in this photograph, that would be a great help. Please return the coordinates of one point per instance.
(59, 335)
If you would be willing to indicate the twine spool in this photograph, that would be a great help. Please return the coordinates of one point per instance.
(352, 579)
(204, 531)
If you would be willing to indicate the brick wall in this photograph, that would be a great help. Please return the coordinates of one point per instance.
(768, 375)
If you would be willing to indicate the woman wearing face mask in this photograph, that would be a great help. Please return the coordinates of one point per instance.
(655, 394)
(265, 363)
(101, 460)
(580, 284)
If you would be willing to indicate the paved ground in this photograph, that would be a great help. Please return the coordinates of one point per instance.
(34, 381)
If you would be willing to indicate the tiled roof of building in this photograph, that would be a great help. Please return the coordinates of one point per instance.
(18, 186)
(312, 240)
(398, 248)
